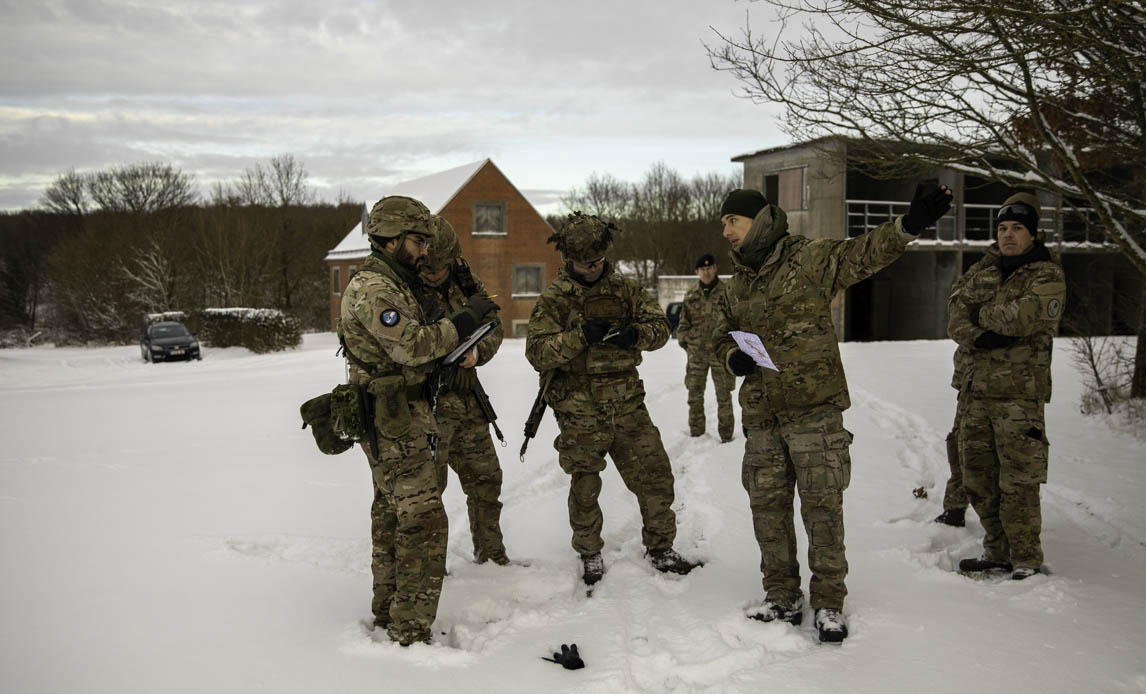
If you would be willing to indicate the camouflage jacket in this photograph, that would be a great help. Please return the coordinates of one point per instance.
(699, 316)
(450, 297)
(384, 326)
(593, 379)
(787, 302)
(1026, 305)
(963, 356)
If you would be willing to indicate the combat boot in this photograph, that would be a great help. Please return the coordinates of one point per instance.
(770, 611)
(667, 560)
(593, 568)
(831, 625)
(984, 564)
(1024, 572)
(955, 517)
(497, 557)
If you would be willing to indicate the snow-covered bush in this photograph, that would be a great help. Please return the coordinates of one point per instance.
(258, 329)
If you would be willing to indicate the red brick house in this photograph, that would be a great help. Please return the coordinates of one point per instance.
(502, 237)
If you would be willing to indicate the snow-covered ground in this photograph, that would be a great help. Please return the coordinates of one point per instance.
(169, 528)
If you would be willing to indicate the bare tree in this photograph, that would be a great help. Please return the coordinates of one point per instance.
(709, 191)
(603, 196)
(280, 184)
(142, 188)
(67, 194)
(151, 277)
(1046, 93)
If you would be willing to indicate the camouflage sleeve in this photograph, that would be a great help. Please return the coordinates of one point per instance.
(549, 344)
(1038, 310)
(685, 323)
(836, 265)
(489, 346)
(959, 325)
(649, 320)
(393, 318)
(725, 323)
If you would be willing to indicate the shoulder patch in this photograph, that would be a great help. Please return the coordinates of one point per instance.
(1054, 306)
(390, 318)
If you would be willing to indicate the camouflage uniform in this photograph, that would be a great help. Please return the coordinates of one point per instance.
(1002, 435)
(696, 332)
(384, 327)
(954, 497)
(793, 417)
(598, 398)
(465, 444)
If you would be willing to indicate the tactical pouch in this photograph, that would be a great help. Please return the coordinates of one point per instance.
(604, 358)
(316, 414)
(348, 410)
(391, 409)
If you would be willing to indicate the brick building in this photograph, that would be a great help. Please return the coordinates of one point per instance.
(502, 236)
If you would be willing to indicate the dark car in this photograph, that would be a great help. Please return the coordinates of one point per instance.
(672, 312)
(168, 341)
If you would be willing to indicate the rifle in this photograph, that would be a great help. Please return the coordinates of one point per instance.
(486, 408)
(536, 413)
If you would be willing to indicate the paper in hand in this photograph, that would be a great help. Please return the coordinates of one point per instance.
(750, 344)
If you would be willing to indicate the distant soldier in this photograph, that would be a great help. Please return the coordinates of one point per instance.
(782, 292)
(696, 333)
(465, 444)
(589, 328)
(392, 347)
(1006, 314)
(954, 496)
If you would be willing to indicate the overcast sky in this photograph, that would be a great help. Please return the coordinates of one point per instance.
(370, 93)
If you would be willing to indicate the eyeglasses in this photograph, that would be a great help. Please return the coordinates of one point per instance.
(420, 241)
(591, 263)
(1015, 208)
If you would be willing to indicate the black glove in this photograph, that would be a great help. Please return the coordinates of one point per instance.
(929, 204)
(741, 364)
(568, 658)
(595, 330)
(625, 338)
(993, 340)
(480, 306)
(975, 316)
(683, 345)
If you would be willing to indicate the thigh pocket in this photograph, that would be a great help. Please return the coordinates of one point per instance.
(823, 461)
(1024, 458)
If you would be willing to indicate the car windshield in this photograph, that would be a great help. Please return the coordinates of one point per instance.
(168, 331)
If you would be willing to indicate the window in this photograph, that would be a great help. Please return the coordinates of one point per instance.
(336, 280)
(528, 279)
(521, 328)
(489, 218)
(772, 188)
(786, 189)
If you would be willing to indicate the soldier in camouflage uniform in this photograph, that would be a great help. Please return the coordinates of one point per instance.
(793, 417)
(588, 328)
(1006, 314)
(465, 444)
(696, 334)
(954, 496)
(391, 347)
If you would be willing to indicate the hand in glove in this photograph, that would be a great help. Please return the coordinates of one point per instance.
(741, 364)
(595, 330)
(993, 340)
(624, 338)
(683, 345)
(929, 204)
(568, 658)
(471, 314)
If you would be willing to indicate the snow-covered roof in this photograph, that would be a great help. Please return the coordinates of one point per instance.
(435, 191)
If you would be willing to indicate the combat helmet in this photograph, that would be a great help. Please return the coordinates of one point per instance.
(395, 215)
(444, 247)
(584, 237)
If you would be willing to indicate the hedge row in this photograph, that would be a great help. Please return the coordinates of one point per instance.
(258, 329)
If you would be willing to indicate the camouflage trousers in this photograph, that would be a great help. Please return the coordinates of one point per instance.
(806, 452)
(466, 447)
(634, 444)
(1004, 448)
(954, 496)
(700, 362)
(408, 528)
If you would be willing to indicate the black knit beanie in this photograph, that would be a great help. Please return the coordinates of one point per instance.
(743, 202)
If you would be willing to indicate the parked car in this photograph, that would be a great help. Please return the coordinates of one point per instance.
(168, 341)
(672, 312)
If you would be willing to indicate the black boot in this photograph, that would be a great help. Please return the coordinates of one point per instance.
(593, 568)
(668, 561)
(831, 625)
(983, 564)
(955, 517)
